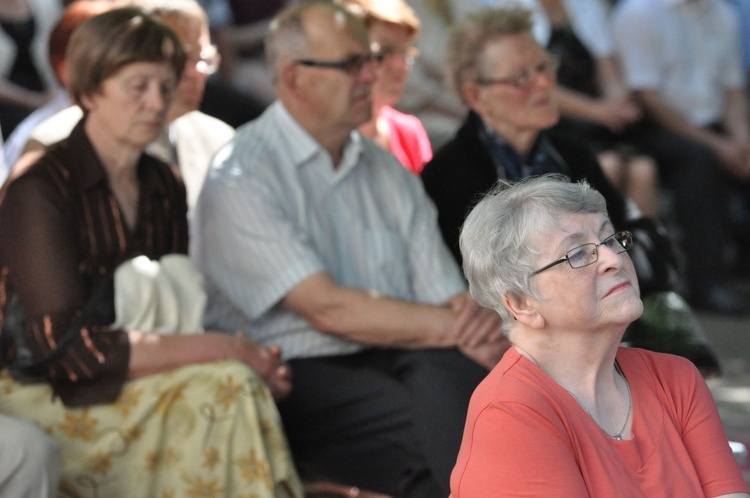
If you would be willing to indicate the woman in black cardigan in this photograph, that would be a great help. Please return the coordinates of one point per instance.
(509, 81)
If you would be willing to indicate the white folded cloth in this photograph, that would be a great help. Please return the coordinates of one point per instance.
(165, 296)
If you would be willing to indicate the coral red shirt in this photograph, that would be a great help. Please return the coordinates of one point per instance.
(526, 436)
(408, 140)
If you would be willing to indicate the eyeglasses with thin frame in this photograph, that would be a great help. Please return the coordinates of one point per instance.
(207, 61)
(351, 65)
(588, 254)
(526, 77)
(408, 55)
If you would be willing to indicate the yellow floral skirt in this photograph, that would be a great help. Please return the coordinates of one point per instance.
(209, 430)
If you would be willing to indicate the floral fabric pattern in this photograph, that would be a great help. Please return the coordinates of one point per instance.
(209, 430)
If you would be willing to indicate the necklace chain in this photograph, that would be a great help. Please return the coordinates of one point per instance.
(617, 436)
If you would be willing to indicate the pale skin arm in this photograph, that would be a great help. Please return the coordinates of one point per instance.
(610, 79)
(154, 353)
(13, 94)
(614, 109)
(373, 319)
(614, 114)
(736, 115)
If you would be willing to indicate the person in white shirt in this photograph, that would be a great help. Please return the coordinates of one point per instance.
(317, 240)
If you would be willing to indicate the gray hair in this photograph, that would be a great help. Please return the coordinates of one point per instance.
(287, 38)
(169, 9)
(497, 255)
(467, 40)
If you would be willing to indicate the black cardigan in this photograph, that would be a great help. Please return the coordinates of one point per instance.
(463, 170)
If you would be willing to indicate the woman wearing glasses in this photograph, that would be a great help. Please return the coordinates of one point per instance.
(509, 83)
(568, 412)
(392, 26)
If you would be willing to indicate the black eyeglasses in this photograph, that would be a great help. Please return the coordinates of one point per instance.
(525, 78)
(588, 254)
(351, 65)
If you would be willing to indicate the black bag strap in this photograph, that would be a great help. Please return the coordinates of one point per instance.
(98, 309)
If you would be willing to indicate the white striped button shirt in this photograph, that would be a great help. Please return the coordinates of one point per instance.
(274, 211)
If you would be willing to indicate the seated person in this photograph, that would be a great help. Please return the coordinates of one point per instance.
(318, 240)
(30, 463)
(568, 412)
(595, 104)
(504, 135)
(127, 406)
(73, 16)
(191, 138)
(697, 128)
(392, 27)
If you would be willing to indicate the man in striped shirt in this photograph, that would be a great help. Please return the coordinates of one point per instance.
(316, 240)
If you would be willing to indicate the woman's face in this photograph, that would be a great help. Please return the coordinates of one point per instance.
(132, 104)
(591, 298)
(508, 109)
(394, 42)
(193, 34)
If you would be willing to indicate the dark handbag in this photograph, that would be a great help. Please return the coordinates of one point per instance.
(653, 256)
(20, 360)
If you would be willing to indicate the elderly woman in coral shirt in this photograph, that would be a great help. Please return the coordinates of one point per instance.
(568, 412)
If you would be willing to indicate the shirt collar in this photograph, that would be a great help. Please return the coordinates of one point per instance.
(86, 169)
(303, 147)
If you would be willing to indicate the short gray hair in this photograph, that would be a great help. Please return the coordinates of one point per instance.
(497, 255)
(468, 39)
(287, 38)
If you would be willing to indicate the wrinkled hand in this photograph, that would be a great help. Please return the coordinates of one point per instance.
(487, 354)
(333, 490)
(266, 362)
(474, 325)
(735, 157)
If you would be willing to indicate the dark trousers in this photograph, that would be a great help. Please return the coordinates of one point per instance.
(384, 419)
(693, 172)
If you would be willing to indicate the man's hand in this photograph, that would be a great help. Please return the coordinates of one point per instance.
(474, 325)
(478, 331)
(266, 362)
(326, 489)
(487, 354)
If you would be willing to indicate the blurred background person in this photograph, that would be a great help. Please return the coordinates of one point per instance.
(682, 61)
(426, 95)
(191, 138)
(73, 16)
(157, 418)
(26, 77)
(392, 27)
(595, 104)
